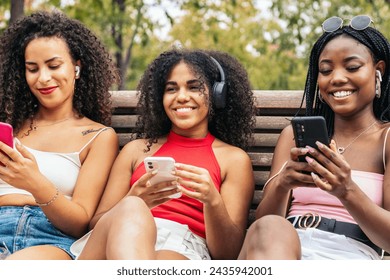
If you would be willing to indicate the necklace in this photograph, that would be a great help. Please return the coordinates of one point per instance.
(341, 150)
(35, 126)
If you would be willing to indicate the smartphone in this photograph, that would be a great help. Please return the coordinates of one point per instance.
(308, 130)
(6, 134)
(165, 166)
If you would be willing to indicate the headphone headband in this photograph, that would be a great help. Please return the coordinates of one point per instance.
(221, 72)
(219, 88)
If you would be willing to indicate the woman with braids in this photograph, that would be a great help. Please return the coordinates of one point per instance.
(197, 107)
(340, 206)
(55, 77)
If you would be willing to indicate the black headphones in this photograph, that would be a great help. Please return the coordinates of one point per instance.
(219, 88)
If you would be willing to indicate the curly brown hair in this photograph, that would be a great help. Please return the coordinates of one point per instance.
(98, 72)
(232, 124)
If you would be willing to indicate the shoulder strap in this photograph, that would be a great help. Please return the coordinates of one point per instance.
(384, 149)
(93, 138)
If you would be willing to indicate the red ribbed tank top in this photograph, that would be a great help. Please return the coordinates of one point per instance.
(197, 152)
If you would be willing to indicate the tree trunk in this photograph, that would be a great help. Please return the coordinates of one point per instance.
(123, 53)
(17, 10)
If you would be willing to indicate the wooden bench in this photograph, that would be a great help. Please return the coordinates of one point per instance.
(274, 109)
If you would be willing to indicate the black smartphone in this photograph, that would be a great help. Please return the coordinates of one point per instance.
(308, 130)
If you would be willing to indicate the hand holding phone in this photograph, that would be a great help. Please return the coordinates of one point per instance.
(165, 166)
(308, 130)
(6, 134)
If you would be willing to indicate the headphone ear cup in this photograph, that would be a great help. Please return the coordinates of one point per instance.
(219, 95)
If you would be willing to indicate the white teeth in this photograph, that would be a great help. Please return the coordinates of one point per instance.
(184, 109)
(342, 93)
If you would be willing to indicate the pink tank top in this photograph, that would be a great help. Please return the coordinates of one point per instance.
(197, 152)
(317, 201)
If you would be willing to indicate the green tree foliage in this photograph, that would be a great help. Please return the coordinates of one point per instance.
(273, 47)
(303, 18)
(121, 24)
(4, 13)
(237, 27)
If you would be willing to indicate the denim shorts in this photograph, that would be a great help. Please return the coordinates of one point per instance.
(23, 227)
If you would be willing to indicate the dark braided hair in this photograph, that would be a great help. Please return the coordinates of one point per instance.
(98, 73)
(233, 124)
(380, 50)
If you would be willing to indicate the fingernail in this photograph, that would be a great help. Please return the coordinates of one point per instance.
(314, 176)
(311, 150)
(319, 144)
(304, 151)
(309, 159)
(154, 171)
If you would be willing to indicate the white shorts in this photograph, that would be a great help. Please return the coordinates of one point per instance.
(170, 236)
(177, 237)
(322, 245)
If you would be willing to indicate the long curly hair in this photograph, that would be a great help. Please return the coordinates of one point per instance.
(232, 124)
(379, 47)
(98, 73)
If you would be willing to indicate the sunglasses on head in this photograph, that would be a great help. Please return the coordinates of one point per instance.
(358, 23)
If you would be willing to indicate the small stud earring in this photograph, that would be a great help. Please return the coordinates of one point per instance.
(77, 70)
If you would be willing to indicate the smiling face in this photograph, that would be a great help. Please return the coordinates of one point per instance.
(185, 102)
(50, 71)
(346, 76)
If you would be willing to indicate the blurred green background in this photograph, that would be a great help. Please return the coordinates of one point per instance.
(272, 38)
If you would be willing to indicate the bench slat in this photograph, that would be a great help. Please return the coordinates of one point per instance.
(286, 99)
(262, 123)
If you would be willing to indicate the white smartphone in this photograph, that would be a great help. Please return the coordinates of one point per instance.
(165, 166)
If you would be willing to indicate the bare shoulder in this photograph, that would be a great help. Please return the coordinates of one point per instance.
(88, 126)
(385, 135)
(134, 146)
(140, 147)
(385, 127)
(137, 150)
(103, 134)
(287, 133)
(286, 139)
(227, 154)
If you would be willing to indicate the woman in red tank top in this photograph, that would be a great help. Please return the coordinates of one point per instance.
(197, 108)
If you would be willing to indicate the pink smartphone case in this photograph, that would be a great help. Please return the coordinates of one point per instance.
(6, 134)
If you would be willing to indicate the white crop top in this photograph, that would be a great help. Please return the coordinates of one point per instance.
(62, 169)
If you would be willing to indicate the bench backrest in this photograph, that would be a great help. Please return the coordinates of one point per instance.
(274, 111)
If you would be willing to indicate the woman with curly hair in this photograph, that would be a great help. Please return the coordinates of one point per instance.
(55, 78)
(196, 107)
